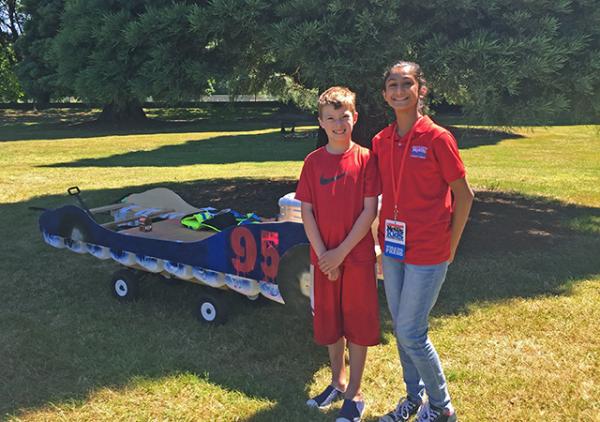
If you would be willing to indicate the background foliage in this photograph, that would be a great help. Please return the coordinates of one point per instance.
(520, 62)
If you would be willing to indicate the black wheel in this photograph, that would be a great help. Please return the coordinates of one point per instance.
(294, 279)
(212, 309)
(125, 285)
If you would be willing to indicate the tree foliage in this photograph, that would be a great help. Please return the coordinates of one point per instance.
(510, 62)
(11, 27)
(37, 69)
(523, 61)
(10, 90)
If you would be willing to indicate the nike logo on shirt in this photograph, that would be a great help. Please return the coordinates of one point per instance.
(328, 180)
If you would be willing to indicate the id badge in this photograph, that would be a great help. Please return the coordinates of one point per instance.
(395, 239)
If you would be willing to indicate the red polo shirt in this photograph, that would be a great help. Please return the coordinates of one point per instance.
(424, 195)
(336, 186)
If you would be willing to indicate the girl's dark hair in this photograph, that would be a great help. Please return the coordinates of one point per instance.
(417, 72)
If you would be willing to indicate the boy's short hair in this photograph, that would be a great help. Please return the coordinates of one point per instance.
(337, 96)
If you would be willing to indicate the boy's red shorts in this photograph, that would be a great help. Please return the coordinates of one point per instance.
(346, 307)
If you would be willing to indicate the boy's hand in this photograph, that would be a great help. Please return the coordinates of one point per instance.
(333, 274)
(331, 260)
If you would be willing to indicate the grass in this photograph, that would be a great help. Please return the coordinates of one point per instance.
(515, 325)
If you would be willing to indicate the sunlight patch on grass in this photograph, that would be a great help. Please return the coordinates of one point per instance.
(524, 359)
(517, 333)
(585, 224)
(152, 399)
(560, 162)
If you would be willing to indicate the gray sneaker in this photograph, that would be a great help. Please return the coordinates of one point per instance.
(403, 412)
(429, 413)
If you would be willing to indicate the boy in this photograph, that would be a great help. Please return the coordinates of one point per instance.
(338, 190)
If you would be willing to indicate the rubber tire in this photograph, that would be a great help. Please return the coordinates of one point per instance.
(212, 309)
(295, 264)
(124, 285)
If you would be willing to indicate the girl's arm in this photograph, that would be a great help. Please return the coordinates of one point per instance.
(463, 198)
(333, 258)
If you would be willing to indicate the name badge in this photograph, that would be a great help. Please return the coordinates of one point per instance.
(395, 239)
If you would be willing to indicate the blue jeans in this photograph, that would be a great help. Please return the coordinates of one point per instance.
(411, 292)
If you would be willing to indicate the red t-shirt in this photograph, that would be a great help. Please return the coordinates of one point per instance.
(424, 195)
(336, 185)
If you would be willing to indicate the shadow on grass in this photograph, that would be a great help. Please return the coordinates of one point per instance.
(21, 125)
(218, 150)
(64, 336)
(470, 137)
(17, 125)
(255, 147)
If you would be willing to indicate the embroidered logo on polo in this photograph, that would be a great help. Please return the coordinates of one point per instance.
(328, 180)
(418, 151)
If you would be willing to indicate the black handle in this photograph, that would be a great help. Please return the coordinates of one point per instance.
(74, 190)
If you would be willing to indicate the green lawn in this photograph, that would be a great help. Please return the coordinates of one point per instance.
(516, 324)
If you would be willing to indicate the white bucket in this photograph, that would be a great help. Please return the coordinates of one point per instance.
(179, 270)
(54, 240)
(149, 263)
(270, 291)
(100, 252)
(123, 257)
(243, 285)
(289, 208)
(76, 246)
(211, 278)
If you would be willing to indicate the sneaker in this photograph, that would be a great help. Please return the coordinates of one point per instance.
(351, 411)
(324, 400)
(429, 413)
(403, 412)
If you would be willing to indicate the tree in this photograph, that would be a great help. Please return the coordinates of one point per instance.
(11, 18)
(10, 89)
(128, 51)
(518, 62)
(37, 69)
(175, 64)
(11, 21)
(92, 57)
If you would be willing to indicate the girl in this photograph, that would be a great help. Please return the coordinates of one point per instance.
(425, 206)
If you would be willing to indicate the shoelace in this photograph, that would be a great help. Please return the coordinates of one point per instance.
(427, 414)
(405, 408)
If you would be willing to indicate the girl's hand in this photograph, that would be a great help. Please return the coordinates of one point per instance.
(331, 260)
(333, 274)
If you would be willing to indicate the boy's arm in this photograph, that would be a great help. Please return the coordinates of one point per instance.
(463, 198)
(311, 228)
(333, 258)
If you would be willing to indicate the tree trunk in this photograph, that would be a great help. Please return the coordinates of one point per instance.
(41, 101)
(127, 113)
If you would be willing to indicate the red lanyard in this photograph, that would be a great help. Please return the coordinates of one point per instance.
(396, 187)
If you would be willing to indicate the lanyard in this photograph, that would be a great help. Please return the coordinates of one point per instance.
(396, 186)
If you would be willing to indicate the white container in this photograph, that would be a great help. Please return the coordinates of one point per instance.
(123, 257)
(243, 285)
(76, 246)
(179, 270)
(149, 263)
(289, 208)
(54, 240)
(271, 291)
(100, 252)
(211, 278)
